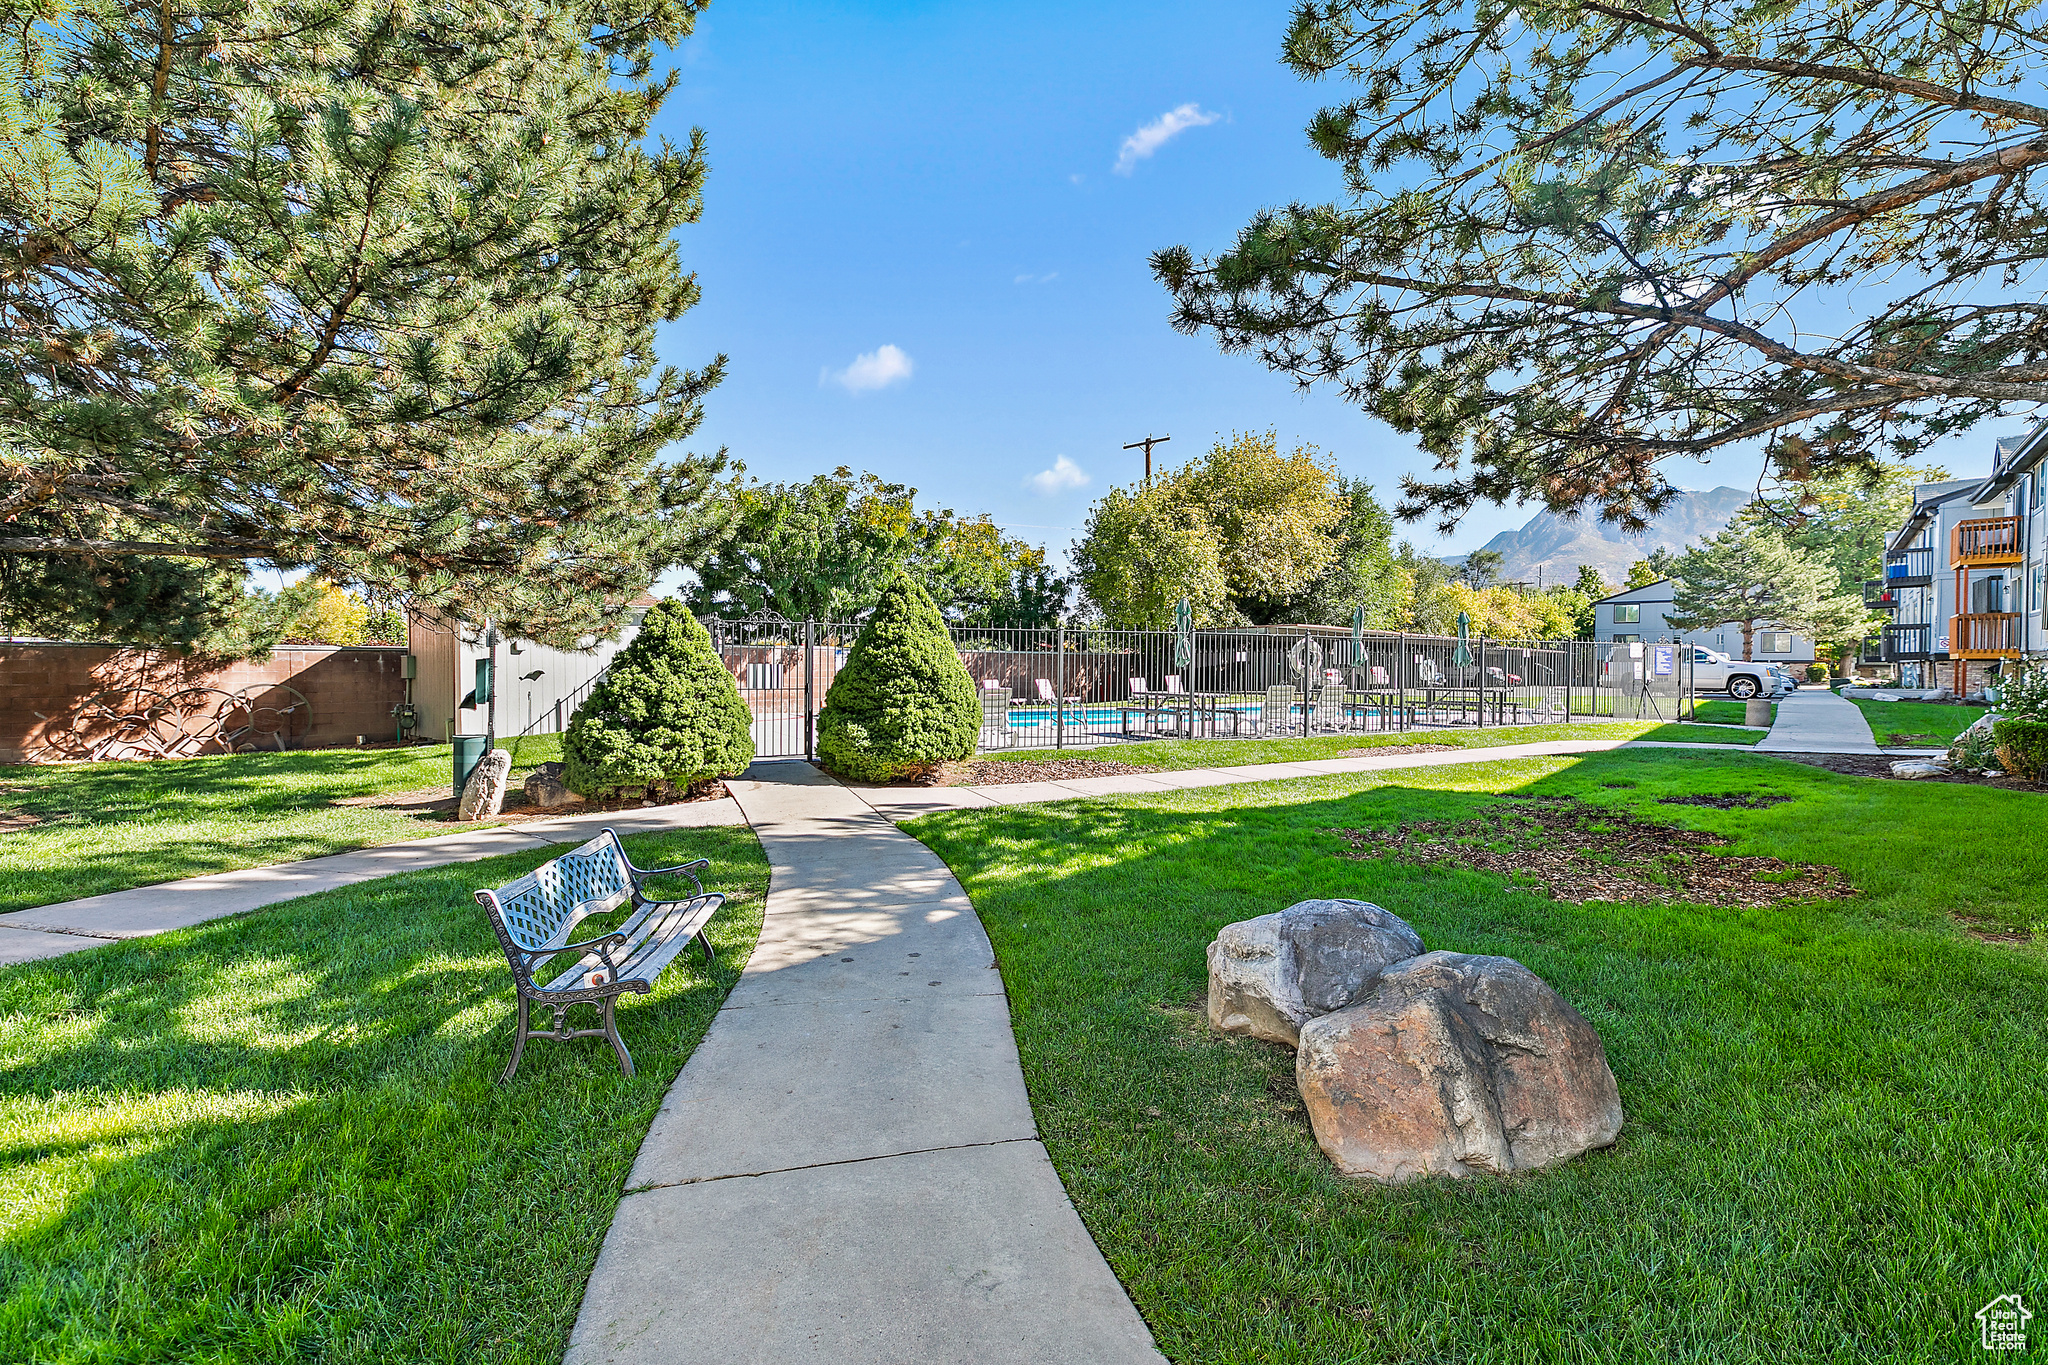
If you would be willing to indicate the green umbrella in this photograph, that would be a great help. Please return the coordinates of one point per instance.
(1461, 656)
(1357, 638)
(1183, 634)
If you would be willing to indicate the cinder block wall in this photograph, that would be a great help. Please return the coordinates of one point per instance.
(49, 711)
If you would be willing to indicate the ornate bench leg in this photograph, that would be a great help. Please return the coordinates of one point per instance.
(710, 953)
(518, 1045)
(611, 1031)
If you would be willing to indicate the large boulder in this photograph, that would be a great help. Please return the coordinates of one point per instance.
(545, 788)
(1267, 976)
(483, 796)
(1976, 747)
(1456, 1063)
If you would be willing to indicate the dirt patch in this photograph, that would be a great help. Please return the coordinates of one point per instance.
(1578, 852)
(1402, 749)
(434, 803)
(997, 773)
(12, 820)
(1730, 801)
(425, 799)
(1987, 930)
(1899, 739)
(1879, 765)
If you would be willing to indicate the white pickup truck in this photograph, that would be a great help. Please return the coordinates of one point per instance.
(1713, 671)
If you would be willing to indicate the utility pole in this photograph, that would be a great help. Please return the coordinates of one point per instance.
(1147, 445)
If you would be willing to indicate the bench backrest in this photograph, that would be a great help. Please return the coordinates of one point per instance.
(1172, 683)
(1138, 688)
(542, 908)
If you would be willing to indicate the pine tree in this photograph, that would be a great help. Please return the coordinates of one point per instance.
(1753, 579)
(902, 703)
(364, 291)
(666, 713)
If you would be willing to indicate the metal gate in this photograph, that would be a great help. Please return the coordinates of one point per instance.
(783, 669)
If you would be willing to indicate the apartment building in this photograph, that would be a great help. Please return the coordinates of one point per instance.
(1638, 614)
(1963, 576)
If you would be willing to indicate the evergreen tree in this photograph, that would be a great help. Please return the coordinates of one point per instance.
(365, 291)
(1753, 579)
(1579, 240)
(902, 703)
(666, 713)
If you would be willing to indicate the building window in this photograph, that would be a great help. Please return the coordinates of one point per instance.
(1628, 615)
(1774, 642)
(2036, 590)
(1628, 639)
(2040, 487)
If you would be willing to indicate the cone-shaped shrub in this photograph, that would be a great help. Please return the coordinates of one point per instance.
(901, 703)
(665, 712)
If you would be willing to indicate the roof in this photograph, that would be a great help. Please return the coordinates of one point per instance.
(1925, 508)
(2015, 456)
(1615, 596)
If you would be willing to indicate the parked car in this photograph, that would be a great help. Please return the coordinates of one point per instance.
(1713, 671)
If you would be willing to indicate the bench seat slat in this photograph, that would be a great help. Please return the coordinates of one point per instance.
(650, 930)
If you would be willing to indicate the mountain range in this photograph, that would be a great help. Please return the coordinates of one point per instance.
(1551, 547)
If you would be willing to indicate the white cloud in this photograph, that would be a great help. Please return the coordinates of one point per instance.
(870, 370)
(1159, 132)
(1063, 475)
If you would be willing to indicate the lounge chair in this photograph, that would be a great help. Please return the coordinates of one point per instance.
(1276, 717)
(1047, 694)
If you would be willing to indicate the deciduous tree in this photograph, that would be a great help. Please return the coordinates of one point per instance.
(1579, 240)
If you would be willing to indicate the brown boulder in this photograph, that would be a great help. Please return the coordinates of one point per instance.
(1456, 1063)
(1268, 975)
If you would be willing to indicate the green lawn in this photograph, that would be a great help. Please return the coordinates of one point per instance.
(109, 826)
(279, 1138)
(1837, 1135)
(1726, 713)
(1936, 724)
(1230, 753)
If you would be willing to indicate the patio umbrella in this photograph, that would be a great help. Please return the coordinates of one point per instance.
(1183, 634)
(1461, 656)
(1357, 638)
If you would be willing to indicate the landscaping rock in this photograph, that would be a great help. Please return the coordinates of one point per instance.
(544, 788)
(1456, 1063)
(1269, 975)
(483, 796)
(1975, 747)
(1920, 767)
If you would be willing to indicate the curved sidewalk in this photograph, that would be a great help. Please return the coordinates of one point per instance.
(847, 1170)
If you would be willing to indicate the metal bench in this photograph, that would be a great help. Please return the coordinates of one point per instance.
(535, 915)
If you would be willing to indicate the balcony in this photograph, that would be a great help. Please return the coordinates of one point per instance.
(1901, 643)
(1910, 568)
(1984, 635)
(1984, 541)
(1879, 595)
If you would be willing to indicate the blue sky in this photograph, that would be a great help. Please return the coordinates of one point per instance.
(924, 247)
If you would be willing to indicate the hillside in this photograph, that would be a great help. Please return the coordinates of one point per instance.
(1555, 546)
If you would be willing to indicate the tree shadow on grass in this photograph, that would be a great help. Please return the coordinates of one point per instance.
(280, 1136)
(1804, 1084)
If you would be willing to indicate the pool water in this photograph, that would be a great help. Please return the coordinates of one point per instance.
(1032, 717)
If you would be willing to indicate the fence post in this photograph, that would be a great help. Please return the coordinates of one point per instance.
(1059, 685)
(810, 714)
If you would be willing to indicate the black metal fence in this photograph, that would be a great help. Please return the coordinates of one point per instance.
(1079, 687)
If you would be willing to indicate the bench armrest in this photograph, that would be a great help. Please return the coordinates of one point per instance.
(641, 874)
(603, 944)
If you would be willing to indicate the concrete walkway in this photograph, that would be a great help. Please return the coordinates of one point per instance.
(1816, 721)
(904, 803)
(67, 927)
(847, 1170)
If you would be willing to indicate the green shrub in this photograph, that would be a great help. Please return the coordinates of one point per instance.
(902, 703)
(2022, 747)
(1816, 672)
(666, 713)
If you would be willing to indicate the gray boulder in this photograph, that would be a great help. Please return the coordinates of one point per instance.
(544, 787)
(1456, 1063)
(1269, 975)
(483, 796)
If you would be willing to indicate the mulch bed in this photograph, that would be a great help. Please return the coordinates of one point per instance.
(1402, 749)
(435, 802)
(1987, 930)
(1733, 801)
(1578, 852)
(1877, 765)
(996, 773)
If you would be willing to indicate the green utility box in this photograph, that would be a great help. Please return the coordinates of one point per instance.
(469, 751)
